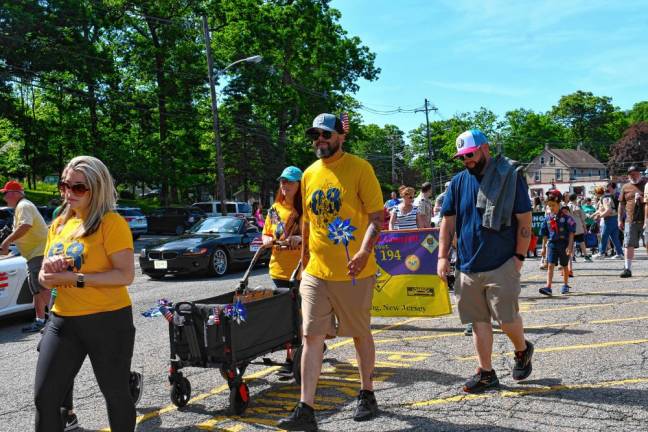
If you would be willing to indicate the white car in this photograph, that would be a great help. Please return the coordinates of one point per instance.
(15, 296)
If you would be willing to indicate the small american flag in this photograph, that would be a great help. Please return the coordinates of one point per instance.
(344, 118)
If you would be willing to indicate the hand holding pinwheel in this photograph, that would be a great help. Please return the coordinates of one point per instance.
(342, 232)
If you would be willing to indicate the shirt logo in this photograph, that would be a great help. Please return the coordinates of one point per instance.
(325, 205)
(460, 143)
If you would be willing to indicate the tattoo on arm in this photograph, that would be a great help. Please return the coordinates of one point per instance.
(526, 233)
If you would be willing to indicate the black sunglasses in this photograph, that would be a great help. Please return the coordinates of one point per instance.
(315, 134)
(467, 155)
(77, 188)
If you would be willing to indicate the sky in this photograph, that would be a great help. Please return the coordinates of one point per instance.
(462, 55)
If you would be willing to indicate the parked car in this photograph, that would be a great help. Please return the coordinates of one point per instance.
(46, 212)
(15, 296)
(234, 208)
(174, 220)
(136, 220)
(212, 246)
(6, 216)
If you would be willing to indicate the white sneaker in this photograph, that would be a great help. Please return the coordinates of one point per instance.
(617, 257)
(598, 256)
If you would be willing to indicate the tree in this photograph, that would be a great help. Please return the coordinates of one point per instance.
(631, 149)
(638, 113)
(588, 119)
(525, 134)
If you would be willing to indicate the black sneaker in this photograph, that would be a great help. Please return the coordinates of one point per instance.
(136, 384)
(286, 369)
(71, 422)
(468, 331)
(626, 273)
(523, 368)
(482, 380)
(301, 419)
(367, 407)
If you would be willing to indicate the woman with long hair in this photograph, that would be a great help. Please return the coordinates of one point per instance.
(89, 260)
(282, 230)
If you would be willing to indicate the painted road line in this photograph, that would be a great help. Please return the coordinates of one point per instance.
(588, 306)
(524, 392)
(570, 348)
(541, 326)
(259, 374)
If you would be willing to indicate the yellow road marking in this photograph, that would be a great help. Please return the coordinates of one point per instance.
(526, 391)
(571, 347)
(568, 324)
(589, 306)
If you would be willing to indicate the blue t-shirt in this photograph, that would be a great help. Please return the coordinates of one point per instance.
(481, 249)
(558, 232)
(392, 203)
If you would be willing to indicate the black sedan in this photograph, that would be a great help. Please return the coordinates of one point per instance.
(211, 246)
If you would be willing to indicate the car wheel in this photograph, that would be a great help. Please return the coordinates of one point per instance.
(219, 262)
(179, 230)
(155, 276)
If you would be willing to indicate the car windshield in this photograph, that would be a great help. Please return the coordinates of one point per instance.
(218, 225)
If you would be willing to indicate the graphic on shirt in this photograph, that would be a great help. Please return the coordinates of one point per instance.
(341, 231)
(73, 251)
(325, 205)
(275, 219)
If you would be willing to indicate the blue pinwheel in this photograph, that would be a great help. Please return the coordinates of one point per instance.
(341, 231)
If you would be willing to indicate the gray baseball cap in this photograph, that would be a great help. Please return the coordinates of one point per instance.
(327, 122)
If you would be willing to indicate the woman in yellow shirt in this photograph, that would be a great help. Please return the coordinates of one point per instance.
(89, 260)
(282, 225)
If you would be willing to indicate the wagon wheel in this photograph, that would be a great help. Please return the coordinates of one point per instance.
(180, 392)
(296, 364)
(239, 398)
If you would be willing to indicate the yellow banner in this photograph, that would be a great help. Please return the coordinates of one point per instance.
(409, 290)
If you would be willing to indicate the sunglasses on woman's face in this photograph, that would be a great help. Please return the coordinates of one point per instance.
(77, 188)
(315, 134)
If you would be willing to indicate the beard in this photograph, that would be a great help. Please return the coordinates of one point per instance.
(328, 151)
(478, 168)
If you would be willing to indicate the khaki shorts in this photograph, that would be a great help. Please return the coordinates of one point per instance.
(492, 294)
(33, 268)
(324, 301)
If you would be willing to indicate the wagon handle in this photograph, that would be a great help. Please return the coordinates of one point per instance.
(244, 281)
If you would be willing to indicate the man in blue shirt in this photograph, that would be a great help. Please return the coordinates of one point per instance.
(488, 207)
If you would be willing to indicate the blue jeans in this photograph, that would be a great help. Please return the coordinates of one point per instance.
(610, 232)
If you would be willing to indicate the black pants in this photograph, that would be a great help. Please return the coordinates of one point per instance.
(108, 339)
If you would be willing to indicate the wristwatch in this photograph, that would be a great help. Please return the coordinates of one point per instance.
(519, 256)
(80, 282)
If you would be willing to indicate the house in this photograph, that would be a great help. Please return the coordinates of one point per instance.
(567, 170)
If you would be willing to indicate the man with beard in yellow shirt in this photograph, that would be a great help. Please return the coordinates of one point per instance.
(343, 215)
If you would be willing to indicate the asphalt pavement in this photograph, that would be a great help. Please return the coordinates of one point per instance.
(590, 369)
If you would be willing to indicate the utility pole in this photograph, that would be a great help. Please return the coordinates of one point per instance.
(394, 178)
(219, 187)
(427, 109)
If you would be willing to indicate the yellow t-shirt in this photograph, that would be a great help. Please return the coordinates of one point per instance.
(32, 244)
(282, 261)
(90, 255)
(346, 188)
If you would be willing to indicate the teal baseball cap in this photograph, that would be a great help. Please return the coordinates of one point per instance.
(291, 173)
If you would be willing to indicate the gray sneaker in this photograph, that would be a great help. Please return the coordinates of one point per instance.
(367, 407)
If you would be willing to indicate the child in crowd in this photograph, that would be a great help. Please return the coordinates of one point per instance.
(558, 231)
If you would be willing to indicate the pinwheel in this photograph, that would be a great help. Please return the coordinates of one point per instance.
(236, 312)
(341, 231)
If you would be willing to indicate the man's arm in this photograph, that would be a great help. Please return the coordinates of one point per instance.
(445, 238)
(15, 235)
(359, 260)
(523, 237)
(621, 212)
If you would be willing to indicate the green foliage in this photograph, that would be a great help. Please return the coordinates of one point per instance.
(638, 113)
(631, 149)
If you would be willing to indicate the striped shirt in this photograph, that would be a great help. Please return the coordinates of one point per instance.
(405, 220)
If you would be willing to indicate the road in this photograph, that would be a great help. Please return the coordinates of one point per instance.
(590, 367)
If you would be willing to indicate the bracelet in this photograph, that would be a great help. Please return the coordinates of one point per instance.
(519, 256)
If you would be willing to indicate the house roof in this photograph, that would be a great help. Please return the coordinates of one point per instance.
(576, 158)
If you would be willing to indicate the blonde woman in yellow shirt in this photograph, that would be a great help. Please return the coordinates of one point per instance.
(89, 260)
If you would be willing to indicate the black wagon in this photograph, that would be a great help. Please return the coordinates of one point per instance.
(204, 334)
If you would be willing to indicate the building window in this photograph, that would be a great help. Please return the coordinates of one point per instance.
(536, 177)
(551, 160)
(558, 174)
(573, 175)
(599, 173)
(542, 160)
